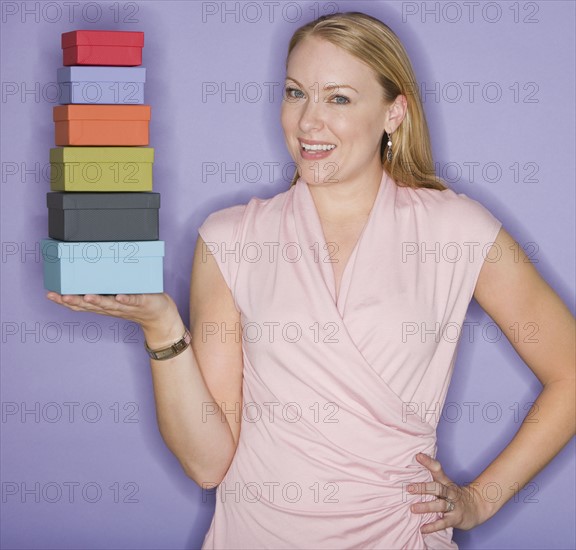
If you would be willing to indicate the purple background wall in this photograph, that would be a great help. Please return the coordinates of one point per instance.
(85, 467)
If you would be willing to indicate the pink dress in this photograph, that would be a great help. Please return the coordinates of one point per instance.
(340, 395)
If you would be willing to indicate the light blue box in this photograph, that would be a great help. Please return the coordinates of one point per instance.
(120, 267)
(109, 85)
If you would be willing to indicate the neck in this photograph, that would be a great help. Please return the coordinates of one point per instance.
(346, 202)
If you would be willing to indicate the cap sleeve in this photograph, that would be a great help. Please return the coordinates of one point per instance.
(221, 232)
(478, 229)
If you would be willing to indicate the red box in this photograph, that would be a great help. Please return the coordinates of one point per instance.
(115, 48)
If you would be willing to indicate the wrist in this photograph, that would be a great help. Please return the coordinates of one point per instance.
(164, 332)
(171, 351)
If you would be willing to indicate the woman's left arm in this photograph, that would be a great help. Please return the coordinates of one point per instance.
(514, 294)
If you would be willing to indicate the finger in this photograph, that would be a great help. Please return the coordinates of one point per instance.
(438, 506)
(90, 302)
(438, 525)
(106, 303)
(59, 298)
(435, 468)
(54, 297)
(133, 300)
(447, 493)
(430, 488)
(123, 305)
(71, 302)
(115, 303)
(431, 463)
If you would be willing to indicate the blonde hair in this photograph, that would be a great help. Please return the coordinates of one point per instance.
(374, 43)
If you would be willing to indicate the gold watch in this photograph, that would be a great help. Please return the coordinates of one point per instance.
(171, 351)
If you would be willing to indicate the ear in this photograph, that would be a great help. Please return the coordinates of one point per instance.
(396, 113)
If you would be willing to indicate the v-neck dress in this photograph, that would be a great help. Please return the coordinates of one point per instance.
(339, 395)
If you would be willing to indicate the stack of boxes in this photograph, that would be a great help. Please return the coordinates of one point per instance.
(102, 215)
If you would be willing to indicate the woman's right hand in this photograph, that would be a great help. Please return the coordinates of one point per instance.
(155, 313)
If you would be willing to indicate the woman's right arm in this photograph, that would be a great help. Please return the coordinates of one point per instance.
(198, 393)
(196, 390)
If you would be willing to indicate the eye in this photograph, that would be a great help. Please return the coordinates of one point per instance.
(340, 100)
(293, 93)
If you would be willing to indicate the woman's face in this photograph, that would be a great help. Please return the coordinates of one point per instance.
(333, 114)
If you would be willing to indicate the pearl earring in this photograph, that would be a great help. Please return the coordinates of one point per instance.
(389, 150)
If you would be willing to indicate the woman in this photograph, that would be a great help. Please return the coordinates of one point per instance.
(296, 395)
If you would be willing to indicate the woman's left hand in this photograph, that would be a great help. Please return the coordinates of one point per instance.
(461, 507)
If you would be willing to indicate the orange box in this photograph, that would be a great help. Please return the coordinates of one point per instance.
(102, 124)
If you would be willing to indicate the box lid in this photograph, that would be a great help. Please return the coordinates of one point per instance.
(101, 112)
(53, 250)
(102, 38)
(94, 201)
(90, 73)
(102, 154)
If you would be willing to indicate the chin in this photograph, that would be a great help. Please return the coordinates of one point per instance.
(319, 173)
(311, 178)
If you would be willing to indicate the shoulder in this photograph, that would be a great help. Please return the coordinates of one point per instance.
(433, 202)
(455, 213)
(228, 223)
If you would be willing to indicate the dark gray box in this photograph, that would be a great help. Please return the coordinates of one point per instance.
(103, 216)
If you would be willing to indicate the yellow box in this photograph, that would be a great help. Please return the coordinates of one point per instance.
(101, 168)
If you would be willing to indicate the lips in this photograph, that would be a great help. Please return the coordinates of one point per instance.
(315, 150)
(319, 147)
(316, 146)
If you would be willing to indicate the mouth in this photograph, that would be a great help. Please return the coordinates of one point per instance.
(316, 146)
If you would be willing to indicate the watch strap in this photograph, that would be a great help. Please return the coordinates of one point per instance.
(171, 351)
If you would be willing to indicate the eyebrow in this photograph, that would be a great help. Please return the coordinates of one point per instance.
(330, 86)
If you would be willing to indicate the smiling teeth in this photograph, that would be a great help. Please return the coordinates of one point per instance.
(307, 147)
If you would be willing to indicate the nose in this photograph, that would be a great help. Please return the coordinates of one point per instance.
(311, 117)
